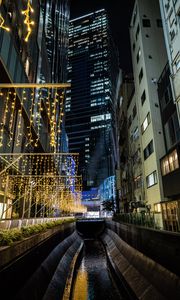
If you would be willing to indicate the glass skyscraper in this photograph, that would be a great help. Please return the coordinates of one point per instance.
(90, 115)
(55, 20)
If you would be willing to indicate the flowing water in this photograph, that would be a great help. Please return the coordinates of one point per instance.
(93, 280)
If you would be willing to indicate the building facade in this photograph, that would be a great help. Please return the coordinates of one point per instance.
(90, 115)
(26, 114)
(170, 12)
(170, 162)
(55, 20)
(149, 57)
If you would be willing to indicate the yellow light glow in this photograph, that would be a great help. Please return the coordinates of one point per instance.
(28, 22)
(2, 24)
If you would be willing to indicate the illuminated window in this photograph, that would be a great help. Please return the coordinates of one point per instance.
(170, 163)
(151, 179)
(138, 55)
(136, 134)
(157, 207)
(145, 123)
(27, 66)
(100, 118)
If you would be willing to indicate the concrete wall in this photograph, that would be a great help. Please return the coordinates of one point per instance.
(49, 281)
(21, 260)
(147, 279)
(161, 246)
(18, 223)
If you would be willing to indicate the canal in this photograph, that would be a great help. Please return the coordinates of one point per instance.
(93, 279)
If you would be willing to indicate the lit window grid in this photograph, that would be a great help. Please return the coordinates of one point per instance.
(170, 163)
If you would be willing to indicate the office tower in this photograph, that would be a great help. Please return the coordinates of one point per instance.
(55, 29)
(170, 12)
(27, 117)
(18, 63)
(55, 20)
(149, 58)
(90, 119)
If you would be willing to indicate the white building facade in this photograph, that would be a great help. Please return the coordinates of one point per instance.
(170, 12)
(149, 58)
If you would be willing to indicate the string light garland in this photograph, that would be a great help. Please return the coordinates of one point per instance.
(4, 118)
(28, 22)
(31, 102)
(30, 138)
(20, 119)
(41, 181)
(2, 24)
(2, 21)
(12, 119)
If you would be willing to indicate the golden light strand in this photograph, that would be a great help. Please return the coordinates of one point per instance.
(2, 21)
(28, 22)
(12, 119)
(2, 24)
(38, 117)
(30, 139)
(53, 122)
(3, 123)
(19, 126)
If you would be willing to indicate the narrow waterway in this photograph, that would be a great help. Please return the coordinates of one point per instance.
(93, 280)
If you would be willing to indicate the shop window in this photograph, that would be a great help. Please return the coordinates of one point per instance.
(170, 212)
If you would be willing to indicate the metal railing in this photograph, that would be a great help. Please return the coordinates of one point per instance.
(141, 219)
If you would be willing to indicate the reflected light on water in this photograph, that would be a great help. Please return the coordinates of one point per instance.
(81, 285)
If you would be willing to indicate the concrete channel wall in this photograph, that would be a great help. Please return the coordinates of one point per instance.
(52, 273)
(18, 223)
(147, 279)
(161, 246)
(41, 264)
(21, 260)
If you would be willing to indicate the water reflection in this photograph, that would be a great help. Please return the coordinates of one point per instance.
(93, 280)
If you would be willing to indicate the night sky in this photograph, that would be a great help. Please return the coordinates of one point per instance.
(120, 14)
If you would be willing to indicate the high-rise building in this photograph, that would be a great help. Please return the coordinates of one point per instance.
(149, 58)
(170, 12)
(90, 116)
(54, 28)
(28, 119)
(55, 21)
